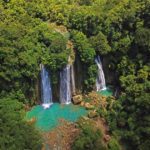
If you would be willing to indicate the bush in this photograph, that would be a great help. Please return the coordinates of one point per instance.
(15, 132)
(83, 47)
(113, 144)
(100, 44)
(89, 138)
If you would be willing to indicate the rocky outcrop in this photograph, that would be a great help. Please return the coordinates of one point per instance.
(96, 99)
(92, 114)
(77, 99)
(88, 106)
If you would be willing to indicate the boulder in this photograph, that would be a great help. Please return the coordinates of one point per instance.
(82, 103)
(77, 99)
(92, 114)
(89, 106)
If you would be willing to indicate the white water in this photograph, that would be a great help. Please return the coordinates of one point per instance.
(65, 85)
(100, 81)
(46, 91)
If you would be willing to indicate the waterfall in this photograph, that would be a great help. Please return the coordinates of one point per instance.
(100, 81)
(65, 86)
(73, 88)
(46, 88)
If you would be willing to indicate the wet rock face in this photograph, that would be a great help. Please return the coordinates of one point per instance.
(110, 73)
(79, 74)
(77, 99)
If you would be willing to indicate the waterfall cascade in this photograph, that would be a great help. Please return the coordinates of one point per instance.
(100, 81)
(46, 88)
(65, 85)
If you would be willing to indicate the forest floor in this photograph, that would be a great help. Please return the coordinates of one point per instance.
(63, 136)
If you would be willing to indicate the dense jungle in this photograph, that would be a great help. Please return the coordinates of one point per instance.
(71, 52)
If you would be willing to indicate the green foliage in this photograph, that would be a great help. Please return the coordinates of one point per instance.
(133, 111)
(142, 38)
(145, 145)
(90, 77)
(85, 2)
(89, 138)
(113, 144)
(25, 42)
(87, 54)
(117, 29)
(83, 47)
(80, 19)
(126, 66)
(55, 52)
(17, 95)
(100, 44)
(15, 132)
(19, 67)
(127, 30)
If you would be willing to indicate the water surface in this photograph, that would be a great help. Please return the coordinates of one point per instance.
(47, 119)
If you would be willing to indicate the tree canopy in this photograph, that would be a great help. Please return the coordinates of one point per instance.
(16, 133)
(31, 34)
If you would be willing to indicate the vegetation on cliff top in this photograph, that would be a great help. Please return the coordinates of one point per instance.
(116, 29)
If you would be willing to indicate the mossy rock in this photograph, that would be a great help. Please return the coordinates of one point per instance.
(92, 114)
(88, 106)
(77, 99)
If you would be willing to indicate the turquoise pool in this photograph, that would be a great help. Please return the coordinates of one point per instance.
(47, 119)
(107, 92)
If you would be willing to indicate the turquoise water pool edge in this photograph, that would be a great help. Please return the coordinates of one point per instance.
(107, 92)
(48, 119)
